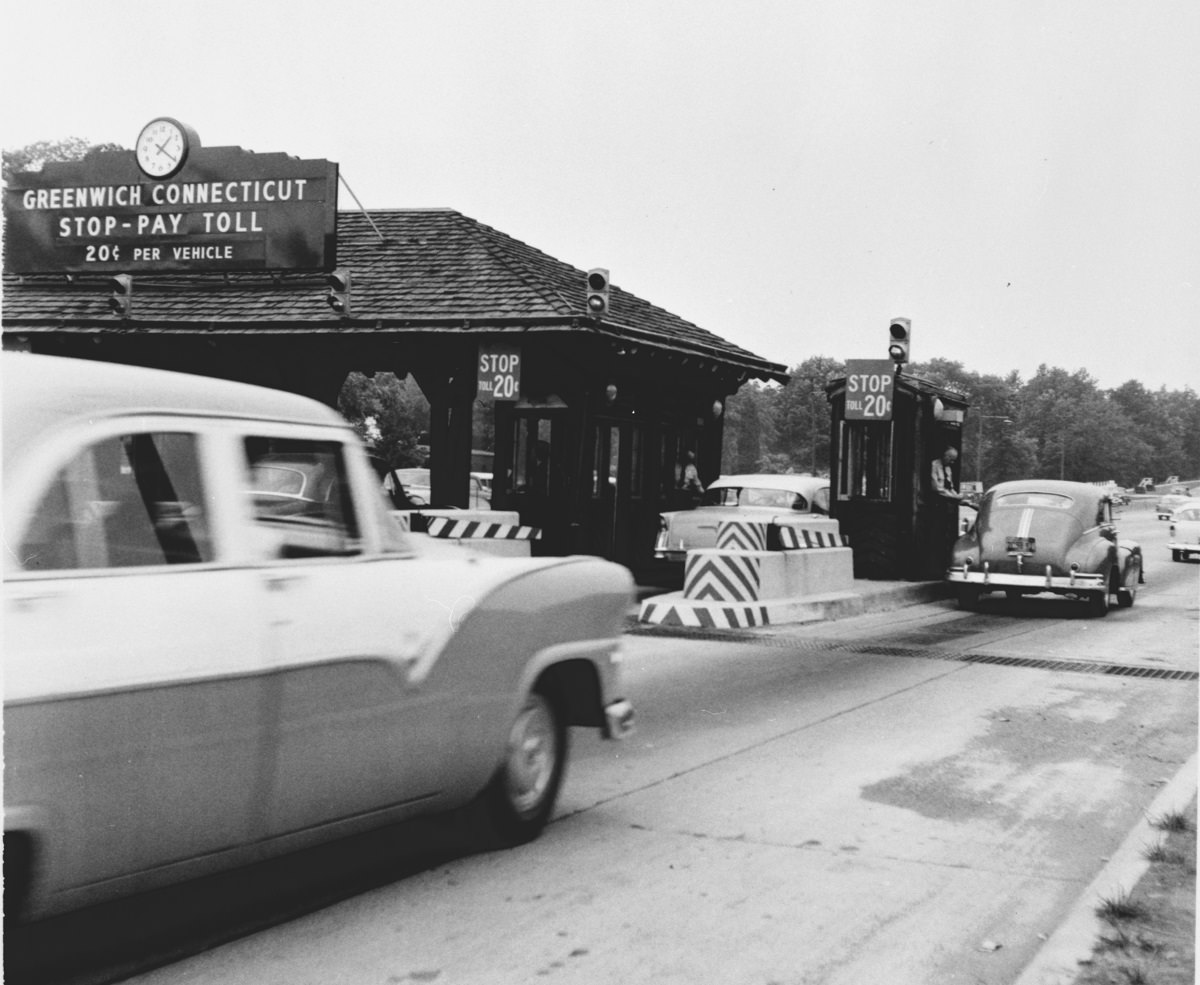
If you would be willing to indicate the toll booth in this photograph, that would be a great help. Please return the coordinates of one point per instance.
(886, 429)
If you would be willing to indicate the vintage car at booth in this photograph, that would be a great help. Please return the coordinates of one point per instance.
(1183, 536)
(1046, 536)
(766, 498)
(220, 646)
(1171, 502)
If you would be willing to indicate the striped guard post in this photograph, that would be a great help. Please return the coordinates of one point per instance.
(444, 526)
(703, 616)
(721, 577)
(798, 538)
(741, 535)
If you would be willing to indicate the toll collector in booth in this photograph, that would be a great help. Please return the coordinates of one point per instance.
(943, 475)
(945, 502)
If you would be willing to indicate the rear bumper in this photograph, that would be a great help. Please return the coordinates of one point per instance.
(1075, 581)
(1187, 550)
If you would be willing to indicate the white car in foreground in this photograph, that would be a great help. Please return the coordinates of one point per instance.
(220, 647)
(765, 498)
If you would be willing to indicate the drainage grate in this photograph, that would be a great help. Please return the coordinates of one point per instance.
(881, 650)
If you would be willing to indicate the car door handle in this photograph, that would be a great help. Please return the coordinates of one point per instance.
(281, 583)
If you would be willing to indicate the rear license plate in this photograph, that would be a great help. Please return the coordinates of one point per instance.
(1021, 545)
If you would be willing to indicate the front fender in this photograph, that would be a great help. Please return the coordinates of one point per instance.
(558, 624)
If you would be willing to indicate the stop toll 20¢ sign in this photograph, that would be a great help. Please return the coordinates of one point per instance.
(869, 387)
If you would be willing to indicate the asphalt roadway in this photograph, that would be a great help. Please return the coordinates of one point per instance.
(1058, 960)
(784, 813)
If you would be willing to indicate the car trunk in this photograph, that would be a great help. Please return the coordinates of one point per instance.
(1041, 536)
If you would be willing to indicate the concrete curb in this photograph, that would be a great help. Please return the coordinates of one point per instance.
(1058, 962)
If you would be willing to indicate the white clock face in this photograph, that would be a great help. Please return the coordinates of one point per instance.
(162, 148)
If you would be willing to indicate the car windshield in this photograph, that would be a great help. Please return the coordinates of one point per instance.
(1052, 501)
(779, 499)
(1188, 514)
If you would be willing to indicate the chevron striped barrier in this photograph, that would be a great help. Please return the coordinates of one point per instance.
(445, 527)
(801, 538)
(741, 535)
(721, 577)
(701, 616)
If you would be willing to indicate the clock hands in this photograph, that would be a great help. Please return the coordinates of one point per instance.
(166, 153)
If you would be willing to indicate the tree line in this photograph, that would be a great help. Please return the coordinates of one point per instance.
(1056, 425)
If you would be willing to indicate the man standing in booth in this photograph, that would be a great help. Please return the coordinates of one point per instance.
(943, 476)
(944, 511)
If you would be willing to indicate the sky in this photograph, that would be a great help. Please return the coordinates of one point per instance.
(1021, 179)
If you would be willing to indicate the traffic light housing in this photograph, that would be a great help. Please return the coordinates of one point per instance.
(597, 292)
(338, 296)
(899, 338)
(121, 298)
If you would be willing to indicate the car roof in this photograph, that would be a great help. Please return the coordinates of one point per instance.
(757, 480)
(41, 393)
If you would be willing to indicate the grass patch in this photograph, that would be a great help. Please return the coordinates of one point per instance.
(1120, 907)
(1152, 935)
(1171, 821)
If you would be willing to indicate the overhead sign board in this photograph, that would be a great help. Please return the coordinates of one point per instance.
(225, 209)
(499, 374)
(869, 387)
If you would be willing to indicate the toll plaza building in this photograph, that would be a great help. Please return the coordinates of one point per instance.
(594, 407)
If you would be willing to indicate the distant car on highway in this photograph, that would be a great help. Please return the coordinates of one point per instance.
(1036, 536)
(220, 646)
(765, 498)
(1183, 536)
(1169, 503)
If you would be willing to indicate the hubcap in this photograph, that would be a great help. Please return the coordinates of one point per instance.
(532, 756)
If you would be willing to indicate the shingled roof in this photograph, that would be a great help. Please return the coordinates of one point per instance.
(412, 269)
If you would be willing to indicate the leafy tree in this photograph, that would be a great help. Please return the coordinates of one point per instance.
(33, 157)
(399, 410)
(749, 429)
(802, 415)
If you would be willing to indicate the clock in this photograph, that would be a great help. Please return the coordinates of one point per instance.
(162, 147)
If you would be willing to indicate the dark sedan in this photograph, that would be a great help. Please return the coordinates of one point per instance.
(1036, 536)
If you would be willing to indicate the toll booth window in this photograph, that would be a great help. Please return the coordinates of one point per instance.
(866, 460)
(671, 468)
(607, 453)
(126, 501)
(635, 464)
(531, 456)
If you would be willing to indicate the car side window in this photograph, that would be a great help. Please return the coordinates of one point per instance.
(301, 497)
(126, 501)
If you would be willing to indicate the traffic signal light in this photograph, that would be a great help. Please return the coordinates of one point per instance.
(597, 292)
(121, 299)
(899, 337)
(339, 291)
